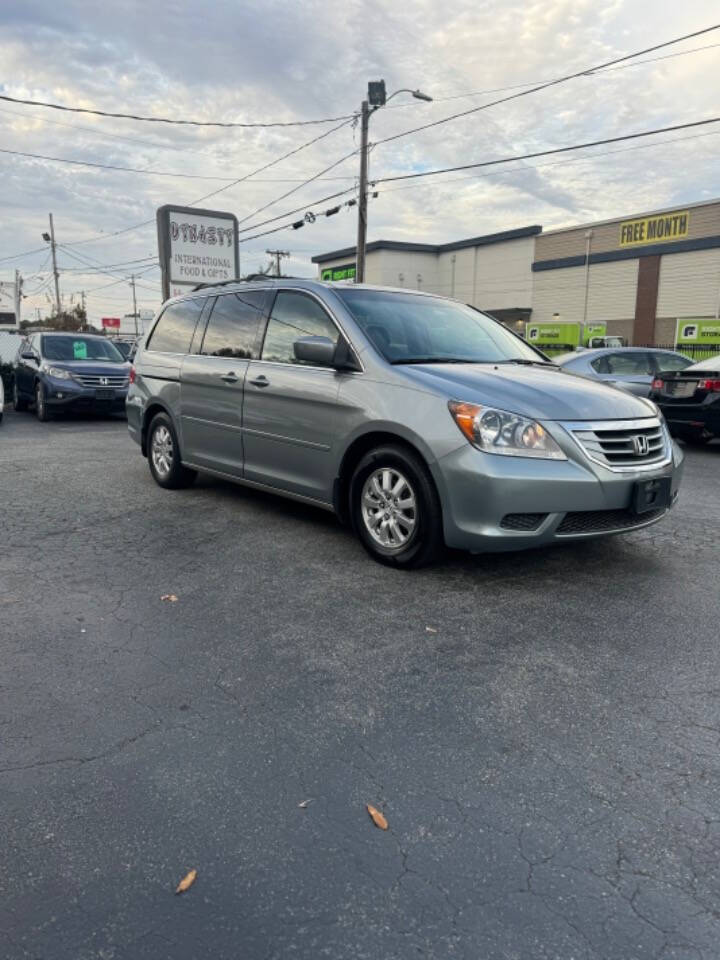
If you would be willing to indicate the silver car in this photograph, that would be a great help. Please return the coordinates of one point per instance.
(630, 368)
(418, 420)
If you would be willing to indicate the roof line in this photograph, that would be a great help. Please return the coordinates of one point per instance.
(486, 239)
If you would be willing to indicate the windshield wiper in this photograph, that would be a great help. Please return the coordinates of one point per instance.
(529, 363)
(433, 360)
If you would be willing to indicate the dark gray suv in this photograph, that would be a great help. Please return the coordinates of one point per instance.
(417, 419)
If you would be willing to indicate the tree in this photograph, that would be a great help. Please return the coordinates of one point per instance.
(71, 320)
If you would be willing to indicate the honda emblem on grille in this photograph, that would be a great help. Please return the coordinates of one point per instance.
(640, 445)
(106, 380)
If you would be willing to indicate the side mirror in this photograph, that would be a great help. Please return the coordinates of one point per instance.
(28, 355)
(316, 350)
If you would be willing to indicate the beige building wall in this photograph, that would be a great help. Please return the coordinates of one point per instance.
(689, 284)
(611, 295)
(489, 276)
(495, 276)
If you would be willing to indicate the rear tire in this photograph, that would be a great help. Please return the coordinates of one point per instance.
(41, 410)
(164, 455)
(19, 402)
(395, 509)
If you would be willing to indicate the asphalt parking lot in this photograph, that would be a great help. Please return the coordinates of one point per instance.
(541, 730)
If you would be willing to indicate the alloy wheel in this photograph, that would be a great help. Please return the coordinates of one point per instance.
(161, 451)
(389, 508)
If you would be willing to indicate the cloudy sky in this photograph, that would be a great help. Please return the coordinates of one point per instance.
(239, 60)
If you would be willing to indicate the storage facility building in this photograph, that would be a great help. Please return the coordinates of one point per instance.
(640, 274)
(491, 272)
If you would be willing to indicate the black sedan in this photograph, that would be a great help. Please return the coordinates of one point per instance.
(690, 400)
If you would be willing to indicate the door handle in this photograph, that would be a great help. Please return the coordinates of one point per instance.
(229, 377)
(260, 381)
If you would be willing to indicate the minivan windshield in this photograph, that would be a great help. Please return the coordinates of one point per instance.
(409, 328)
(65, 349)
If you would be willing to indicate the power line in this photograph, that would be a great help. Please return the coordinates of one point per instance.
(289, 213)
(530, 83)
(545, 153)
(552, 163)
(549, 83)
(18, 256)
(111, 166)
(172, 120)
(272, 163)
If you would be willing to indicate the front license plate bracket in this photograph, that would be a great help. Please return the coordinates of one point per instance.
(651, 495)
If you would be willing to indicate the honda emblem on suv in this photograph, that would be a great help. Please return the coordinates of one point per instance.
(640, 445)
(104, 381)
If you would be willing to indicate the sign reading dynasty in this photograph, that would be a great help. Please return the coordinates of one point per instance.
(196, 246)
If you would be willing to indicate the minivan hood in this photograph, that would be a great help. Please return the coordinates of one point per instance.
(98, 368)
(537, 392)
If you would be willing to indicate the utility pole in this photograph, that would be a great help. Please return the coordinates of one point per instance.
(135, 314)
(18, 296)
(278, 254)
(51, 239)
(376, 98)
(362, 198)
(84, 308)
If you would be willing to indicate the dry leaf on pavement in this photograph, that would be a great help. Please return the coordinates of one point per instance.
(187, 881)
(377, 818)
(169, 597)
(304, 804)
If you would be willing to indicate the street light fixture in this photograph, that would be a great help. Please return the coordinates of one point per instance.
(376, 98)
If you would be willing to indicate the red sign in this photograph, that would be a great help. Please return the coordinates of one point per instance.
(111, 323)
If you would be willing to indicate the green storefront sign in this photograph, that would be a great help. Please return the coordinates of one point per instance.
(345, 272)
(698, 338)
(564, 335)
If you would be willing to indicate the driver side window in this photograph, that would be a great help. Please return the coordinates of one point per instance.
(294, 315)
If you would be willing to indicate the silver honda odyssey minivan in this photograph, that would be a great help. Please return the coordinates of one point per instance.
(418, 420)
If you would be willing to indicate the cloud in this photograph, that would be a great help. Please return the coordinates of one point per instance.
(287, 61)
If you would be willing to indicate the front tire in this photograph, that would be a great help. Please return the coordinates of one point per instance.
(41, 410)
(19, 403)
(395, 508)
(164, 455)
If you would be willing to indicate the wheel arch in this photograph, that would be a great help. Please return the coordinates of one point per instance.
(356, 450)
(151, 411)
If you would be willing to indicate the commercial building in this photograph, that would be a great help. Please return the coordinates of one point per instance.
(640, 274)
(491, 272)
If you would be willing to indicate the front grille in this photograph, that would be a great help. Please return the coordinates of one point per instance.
(96, 380)
(522, 521)
(602, 521)
(623, 444)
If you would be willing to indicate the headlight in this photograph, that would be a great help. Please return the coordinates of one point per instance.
(57, 372)
(497, 431)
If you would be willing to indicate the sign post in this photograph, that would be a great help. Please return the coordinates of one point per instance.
(196, 246)
(111, 324)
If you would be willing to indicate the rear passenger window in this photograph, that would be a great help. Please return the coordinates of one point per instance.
(173, 331)
(233, 326)
(667, 362)
(629, 364)
(294, 316)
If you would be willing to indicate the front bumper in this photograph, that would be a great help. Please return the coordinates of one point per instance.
(494, 503)
(68, 395)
